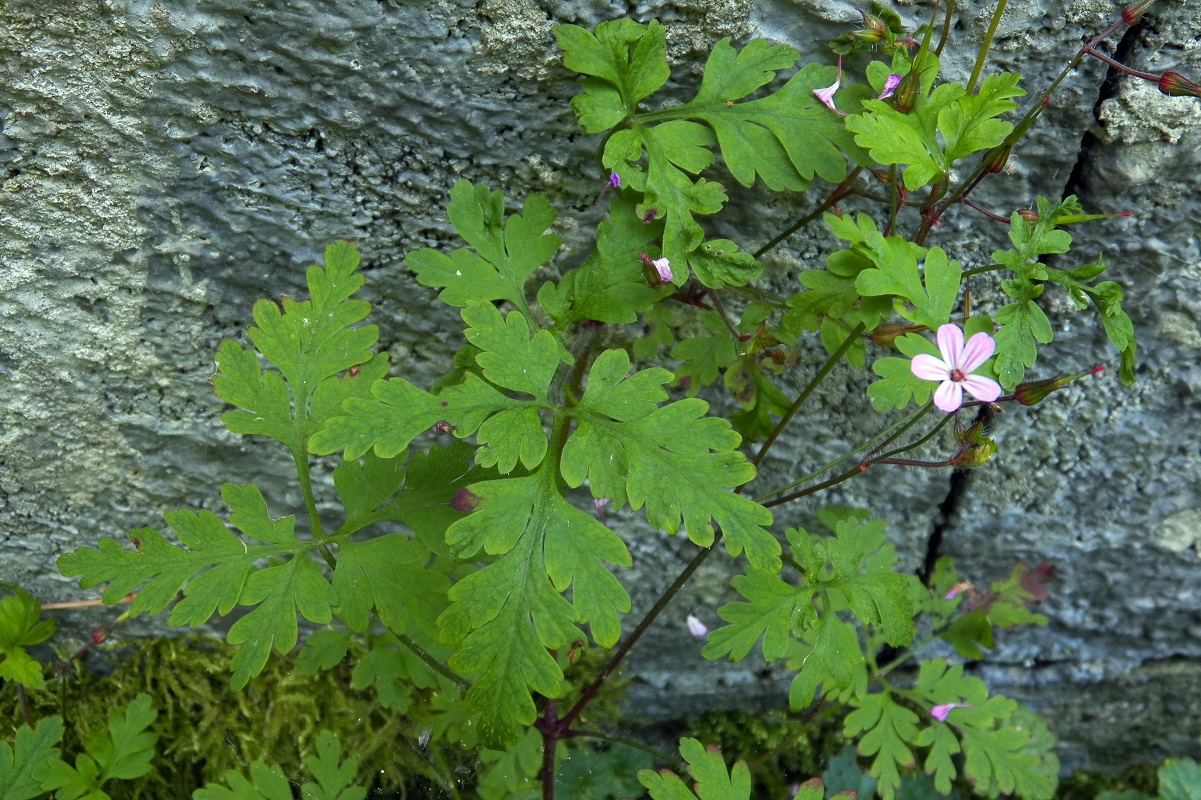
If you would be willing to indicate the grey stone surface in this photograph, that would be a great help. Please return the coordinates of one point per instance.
(164, 165)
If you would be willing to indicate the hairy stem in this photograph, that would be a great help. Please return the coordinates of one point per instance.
(855, 333)
(837, 194)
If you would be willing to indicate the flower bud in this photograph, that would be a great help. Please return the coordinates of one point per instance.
(975, 454)
(1036, 391)
(1132, 12)
(1029, 216)
(997, 158)
(1173, 84)
(906, 94)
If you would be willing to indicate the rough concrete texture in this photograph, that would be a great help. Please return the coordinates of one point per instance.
(163, 165)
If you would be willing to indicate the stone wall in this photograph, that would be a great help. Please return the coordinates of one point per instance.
(164, 165)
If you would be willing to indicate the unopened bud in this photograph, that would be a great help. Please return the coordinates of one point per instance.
(997, 158)
(906, 93)
(1029, 216)
(1036, 391)
(1132, 12)
(885, 335)
(976, 454)
(1173, 84)
(464, 501)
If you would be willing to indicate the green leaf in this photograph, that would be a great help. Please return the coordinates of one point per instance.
(309, 343)
(834, 662)
(898, 384)
(509, 429)
(216, 570)
(896, 273)
(675, 460)
(20, 628)
(33, 751)
(609, 286)
(267, 783)
(601, 774)
(713, 780)
(388, 574)
(376, 489)
(512, 773)
(335, 778)
(970, 124)
(719, 263)
(704, 357)
(1180, 779)
(675, 150)
(775, 610)
(783, 138)
(892, 137)
(124, 752)
(1023, 327)
(322, 650)
(628, 60)
(506, 616)
(888, 729)
(507, 251)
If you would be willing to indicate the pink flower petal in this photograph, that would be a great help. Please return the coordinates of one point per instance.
(929, 368)
(950, 344)
(978, 350)
(948, 397)
(983, 389)
(696, 627)
(940, 712)
(890, 86)
(663, 267)
(826, 96)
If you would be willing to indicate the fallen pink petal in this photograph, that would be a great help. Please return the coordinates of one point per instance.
(954, 370)
(940, 712)
(826, 96)
(696, 627)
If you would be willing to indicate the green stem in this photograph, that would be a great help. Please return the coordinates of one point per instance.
(986, 44)
(891, 432)
(433, 663)
(831, 200)
(981, 270)
(858, 469)
(1016, 134)
(946, 28)
(855, 333)
(633, 744)
(306, 488)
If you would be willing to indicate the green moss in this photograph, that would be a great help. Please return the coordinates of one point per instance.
(799, 749)
(205, 729)
(1087, 785)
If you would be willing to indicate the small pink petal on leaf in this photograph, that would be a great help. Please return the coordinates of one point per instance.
(940, 712)
(890, 85)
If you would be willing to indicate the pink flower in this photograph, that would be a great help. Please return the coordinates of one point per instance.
(940, 712)
(696, 627)
(956, 367)
(661, 266)
(614, 180)
(890, 86)
(826, 96)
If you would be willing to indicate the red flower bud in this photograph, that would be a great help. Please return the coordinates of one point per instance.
(464, 501)
(1132, 12)
(1173, 84)
(997, 158)
(1036, 391)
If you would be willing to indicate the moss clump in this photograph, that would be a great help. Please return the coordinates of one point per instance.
(798, 749)
(205, 729)
(1085, 785)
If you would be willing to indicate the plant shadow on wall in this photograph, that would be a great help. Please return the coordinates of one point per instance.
(469, 595)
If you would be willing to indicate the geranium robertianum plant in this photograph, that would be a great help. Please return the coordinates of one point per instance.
(473, 614)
